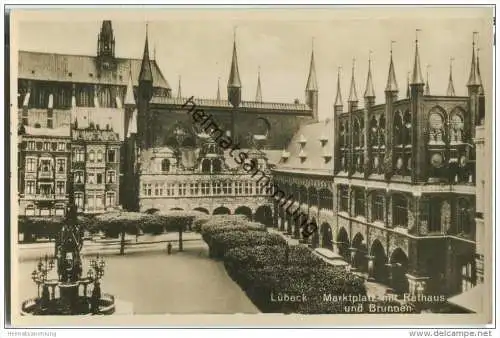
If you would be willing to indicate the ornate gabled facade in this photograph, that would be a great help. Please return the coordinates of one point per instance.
(402, 184)
(43, 168)
(202, 174)
(95, 168)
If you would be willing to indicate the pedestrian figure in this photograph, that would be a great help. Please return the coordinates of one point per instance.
(169, 248)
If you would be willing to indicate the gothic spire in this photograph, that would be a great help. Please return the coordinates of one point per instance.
(179, 90)
(258, 94)
(312, 83)
(416, 77)
(473, 76)
(338, 99)
(218, 89)
(129, 94)
(369, 91)
(392, 85)
(451, 88)
(353, 96)
(146, 73)
(234, 75)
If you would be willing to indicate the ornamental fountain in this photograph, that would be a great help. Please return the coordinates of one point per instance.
(67, 291)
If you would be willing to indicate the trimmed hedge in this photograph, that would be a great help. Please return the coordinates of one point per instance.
(220, 243)
(112, 224)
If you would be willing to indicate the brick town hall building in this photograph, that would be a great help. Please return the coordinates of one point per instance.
(398, 202)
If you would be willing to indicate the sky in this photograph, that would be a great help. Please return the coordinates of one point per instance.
(196, 45)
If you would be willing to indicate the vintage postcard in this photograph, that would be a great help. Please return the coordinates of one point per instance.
(251, 166)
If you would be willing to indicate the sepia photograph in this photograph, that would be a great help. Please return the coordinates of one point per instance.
(265, 164)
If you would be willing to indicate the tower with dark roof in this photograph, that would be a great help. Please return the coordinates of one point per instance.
(106, 46)
(312, 88)
(391, 95)
(145, 93)
(417, 85)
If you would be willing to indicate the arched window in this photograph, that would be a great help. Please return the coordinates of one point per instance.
(374, 131)
(355, 133)
(463, 217)
(378, 207)
(165, 165)
(216, 166)
(398, 129)
(99, 156)
(381, 131)
(399, 211)
(407, 128)
(456, 128)
(91, 156)
(436, 127)
(343, 198)
(205, 166)
(359, 202)
(342, 135)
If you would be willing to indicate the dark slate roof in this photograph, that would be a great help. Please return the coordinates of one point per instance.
(250, 105)
(313, 151)
(78, 69)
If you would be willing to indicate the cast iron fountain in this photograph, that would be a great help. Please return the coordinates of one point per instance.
(68, 292)
(65, 291)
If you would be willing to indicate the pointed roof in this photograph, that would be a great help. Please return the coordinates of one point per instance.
(416, 77)
(106, 29)
(129, 94)
(392, 85)
(258, 94)
(234, 75)
(218, 89)
(451, 88)
(369, 91)
(353, 96)
(179, 89)
(338, 99)
(312, 83)
(473, 76)
(146, 73)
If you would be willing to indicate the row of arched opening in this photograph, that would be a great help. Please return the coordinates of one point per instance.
(263, 214)
(385, 270)
(322, 198)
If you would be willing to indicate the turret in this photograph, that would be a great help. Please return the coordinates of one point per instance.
(179, 89)
(106, 46)
(391, 94)
(258, 94)
(338, 106)
(234, 82)
(352, 100)
(145, 92)
(369, 91)
(312, 88)
(419, 154)
(474, 86)
(450, 91)
(481, 105)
